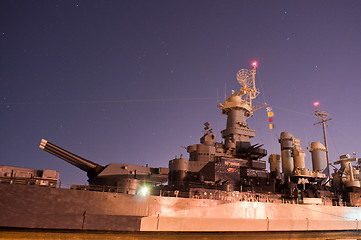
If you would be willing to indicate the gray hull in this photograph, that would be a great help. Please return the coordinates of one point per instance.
(25, 206)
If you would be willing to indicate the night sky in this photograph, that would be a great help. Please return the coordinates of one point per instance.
(134, 81)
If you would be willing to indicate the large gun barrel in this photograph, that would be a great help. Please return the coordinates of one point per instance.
(92, 169)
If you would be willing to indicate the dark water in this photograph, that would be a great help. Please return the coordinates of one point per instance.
(24, 234)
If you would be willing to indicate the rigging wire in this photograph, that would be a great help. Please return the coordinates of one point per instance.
(333, 141)
(137, 101)
(290, 110)
(109, 101)
(218, 118)
(272, 133)
(259, 78)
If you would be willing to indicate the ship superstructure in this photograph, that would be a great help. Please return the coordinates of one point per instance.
(234, 163)
(222, 186)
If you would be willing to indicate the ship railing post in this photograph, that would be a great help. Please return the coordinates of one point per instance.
(267, 223)
(82, 225)
(157, 221)
(308, 222)
(356, 224)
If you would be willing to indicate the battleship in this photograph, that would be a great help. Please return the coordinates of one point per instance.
(222, 186)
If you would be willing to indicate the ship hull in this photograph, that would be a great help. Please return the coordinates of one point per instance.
(39, 207)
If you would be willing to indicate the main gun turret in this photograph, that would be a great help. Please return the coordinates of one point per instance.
(125, 176)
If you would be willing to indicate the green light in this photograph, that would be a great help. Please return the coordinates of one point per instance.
(143, 191)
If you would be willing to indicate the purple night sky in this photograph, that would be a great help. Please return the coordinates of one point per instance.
(133, 81)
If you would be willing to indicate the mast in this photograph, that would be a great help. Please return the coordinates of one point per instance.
(238, 108)
(323, 116)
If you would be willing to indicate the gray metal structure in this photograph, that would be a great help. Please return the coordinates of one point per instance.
(43, 177)
(286, 141)
(319, 156)
(222, 186)
(125, 177)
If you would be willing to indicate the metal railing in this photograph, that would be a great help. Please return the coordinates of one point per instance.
(30, 181)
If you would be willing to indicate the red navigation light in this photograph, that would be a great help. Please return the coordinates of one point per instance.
(254, 64)
(316, 104)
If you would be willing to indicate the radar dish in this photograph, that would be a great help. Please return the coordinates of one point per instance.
(244, 78)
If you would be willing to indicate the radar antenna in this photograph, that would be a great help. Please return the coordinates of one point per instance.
(247, 79)
(248, 92)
